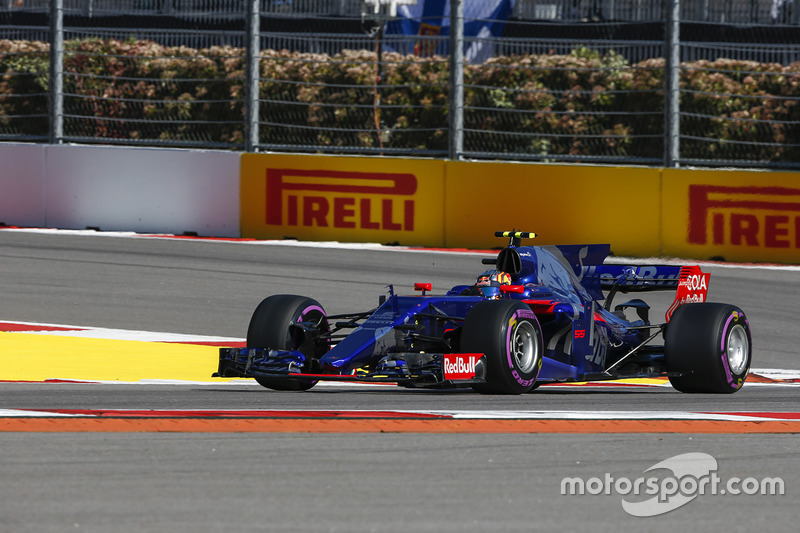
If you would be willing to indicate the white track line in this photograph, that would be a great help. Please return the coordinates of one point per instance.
(89, 332)
(451, 414)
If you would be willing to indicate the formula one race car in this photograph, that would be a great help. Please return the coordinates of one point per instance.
(542, 314)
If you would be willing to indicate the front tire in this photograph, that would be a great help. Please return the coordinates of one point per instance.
(711, 344)
(271, 327)
(508, 333)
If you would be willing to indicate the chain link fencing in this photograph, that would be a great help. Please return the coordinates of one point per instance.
(544, 80)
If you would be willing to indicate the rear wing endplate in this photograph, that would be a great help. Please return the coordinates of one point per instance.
(692, 288)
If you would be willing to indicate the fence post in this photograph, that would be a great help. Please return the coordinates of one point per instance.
(56, 107)
(88, 8)
(252, 75)
(672, 64)
(456, 116)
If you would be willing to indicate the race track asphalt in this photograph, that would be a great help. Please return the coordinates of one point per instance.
(249, 481)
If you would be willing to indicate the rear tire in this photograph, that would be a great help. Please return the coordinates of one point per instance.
(270, 327)
(711, 342)
(508, 333)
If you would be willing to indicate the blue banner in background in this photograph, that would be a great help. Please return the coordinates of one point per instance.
(430, 19)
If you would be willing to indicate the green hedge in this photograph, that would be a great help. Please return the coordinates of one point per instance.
(23, 88)
(582, 104)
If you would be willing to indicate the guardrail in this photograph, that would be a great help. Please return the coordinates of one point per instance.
(720, 11)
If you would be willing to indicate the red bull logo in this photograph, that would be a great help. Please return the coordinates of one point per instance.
(766, 217)
(459, 366)
(340, 199)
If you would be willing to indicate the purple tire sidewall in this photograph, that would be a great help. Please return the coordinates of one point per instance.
(733, 381)
(516, 316)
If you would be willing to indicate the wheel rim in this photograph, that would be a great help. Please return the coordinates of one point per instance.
(525, 347)
(738, 348)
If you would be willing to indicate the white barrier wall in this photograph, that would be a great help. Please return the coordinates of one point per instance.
(22, 184)
(123, 189)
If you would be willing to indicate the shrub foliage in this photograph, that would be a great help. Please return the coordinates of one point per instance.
(580, 105)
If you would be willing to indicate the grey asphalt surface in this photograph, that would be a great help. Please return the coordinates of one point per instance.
(317, 482)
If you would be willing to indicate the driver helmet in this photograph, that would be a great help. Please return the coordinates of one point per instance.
(490, 281)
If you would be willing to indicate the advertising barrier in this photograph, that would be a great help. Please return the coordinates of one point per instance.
(563, 204)
(447, 204)
(735, 215)
(353, 199)
(732, 215)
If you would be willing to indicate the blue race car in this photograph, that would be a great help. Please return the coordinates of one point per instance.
(542, 314)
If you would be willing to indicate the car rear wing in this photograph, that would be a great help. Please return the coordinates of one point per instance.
(690, 282)
(633, 278)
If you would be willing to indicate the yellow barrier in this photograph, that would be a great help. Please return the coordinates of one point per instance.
(352, 199)
(736, 215)
(564, 204)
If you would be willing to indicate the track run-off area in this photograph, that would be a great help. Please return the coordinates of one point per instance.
(85, 355)
(110, 419)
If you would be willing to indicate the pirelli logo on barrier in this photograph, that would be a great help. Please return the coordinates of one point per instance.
(750, 216)
(340, 199)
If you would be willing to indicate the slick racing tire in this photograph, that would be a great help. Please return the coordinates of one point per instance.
(270, 327)
(508, 333)
(711, 344)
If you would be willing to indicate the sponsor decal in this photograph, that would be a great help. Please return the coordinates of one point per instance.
(460, 365)
(523, 382)
(340, 199)
(380, 318)
(645, 275)
(692, 288)
(767, 217)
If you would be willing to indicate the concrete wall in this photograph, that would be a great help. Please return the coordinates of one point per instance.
(22, 184)
(120, 189)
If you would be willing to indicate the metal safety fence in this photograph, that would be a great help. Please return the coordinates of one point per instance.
(702, 82)
(721, 11)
